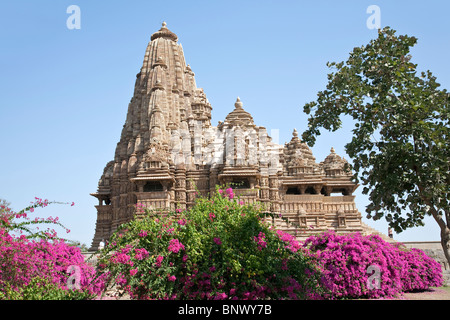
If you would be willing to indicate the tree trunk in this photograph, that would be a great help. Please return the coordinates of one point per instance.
(445, 230)
(445, 242)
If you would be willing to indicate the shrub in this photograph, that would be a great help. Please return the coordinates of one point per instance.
(423, 271)
(42, 289)
(350, 262)
(40, 257)
(219, 249)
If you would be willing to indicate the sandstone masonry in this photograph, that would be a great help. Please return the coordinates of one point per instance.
(168, 151)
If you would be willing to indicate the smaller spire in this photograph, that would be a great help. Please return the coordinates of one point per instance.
(160, 62)
(158, 85)
(332, 150)
(295, 133)
(239, 116)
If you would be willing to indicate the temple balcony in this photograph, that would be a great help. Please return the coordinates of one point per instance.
(141, 196)
(246, 192)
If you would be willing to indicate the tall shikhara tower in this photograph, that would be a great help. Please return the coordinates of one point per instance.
(168, 151)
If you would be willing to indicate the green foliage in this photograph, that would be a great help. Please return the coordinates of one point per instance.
(219, 249)
(400, 146)
(42, 289)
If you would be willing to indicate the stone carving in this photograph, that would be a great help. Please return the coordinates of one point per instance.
(156, 156)
(168, 151)
(334, 164)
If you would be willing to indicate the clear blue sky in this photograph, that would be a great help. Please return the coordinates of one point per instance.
(65, 93)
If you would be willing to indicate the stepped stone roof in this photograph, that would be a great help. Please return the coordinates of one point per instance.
(239, 116)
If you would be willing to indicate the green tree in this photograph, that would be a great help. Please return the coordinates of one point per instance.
(400, 145)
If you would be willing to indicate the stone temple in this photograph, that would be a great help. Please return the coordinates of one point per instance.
(168, 151)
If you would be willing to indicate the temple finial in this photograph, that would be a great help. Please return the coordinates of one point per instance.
(238, 104)
(164, 33)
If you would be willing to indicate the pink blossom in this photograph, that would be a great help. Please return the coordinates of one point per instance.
(159, 260)
(230, 193)
(175, 246)
(220, 296)
(143, 234)
(260, 241)
(172, 278)
(133, 271)
(141, 254)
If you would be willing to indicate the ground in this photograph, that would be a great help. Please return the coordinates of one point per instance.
(442, 293)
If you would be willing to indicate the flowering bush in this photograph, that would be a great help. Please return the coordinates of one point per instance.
(40, 258)
(19, 222)
(358, 266)
(42, 289)
(219, 249)
(423, 271)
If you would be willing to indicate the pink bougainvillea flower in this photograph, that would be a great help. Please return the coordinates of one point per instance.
(133, 271)
(143, 234)
(175, 246)
(159, 260)
(172, 278)
(230, 193)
